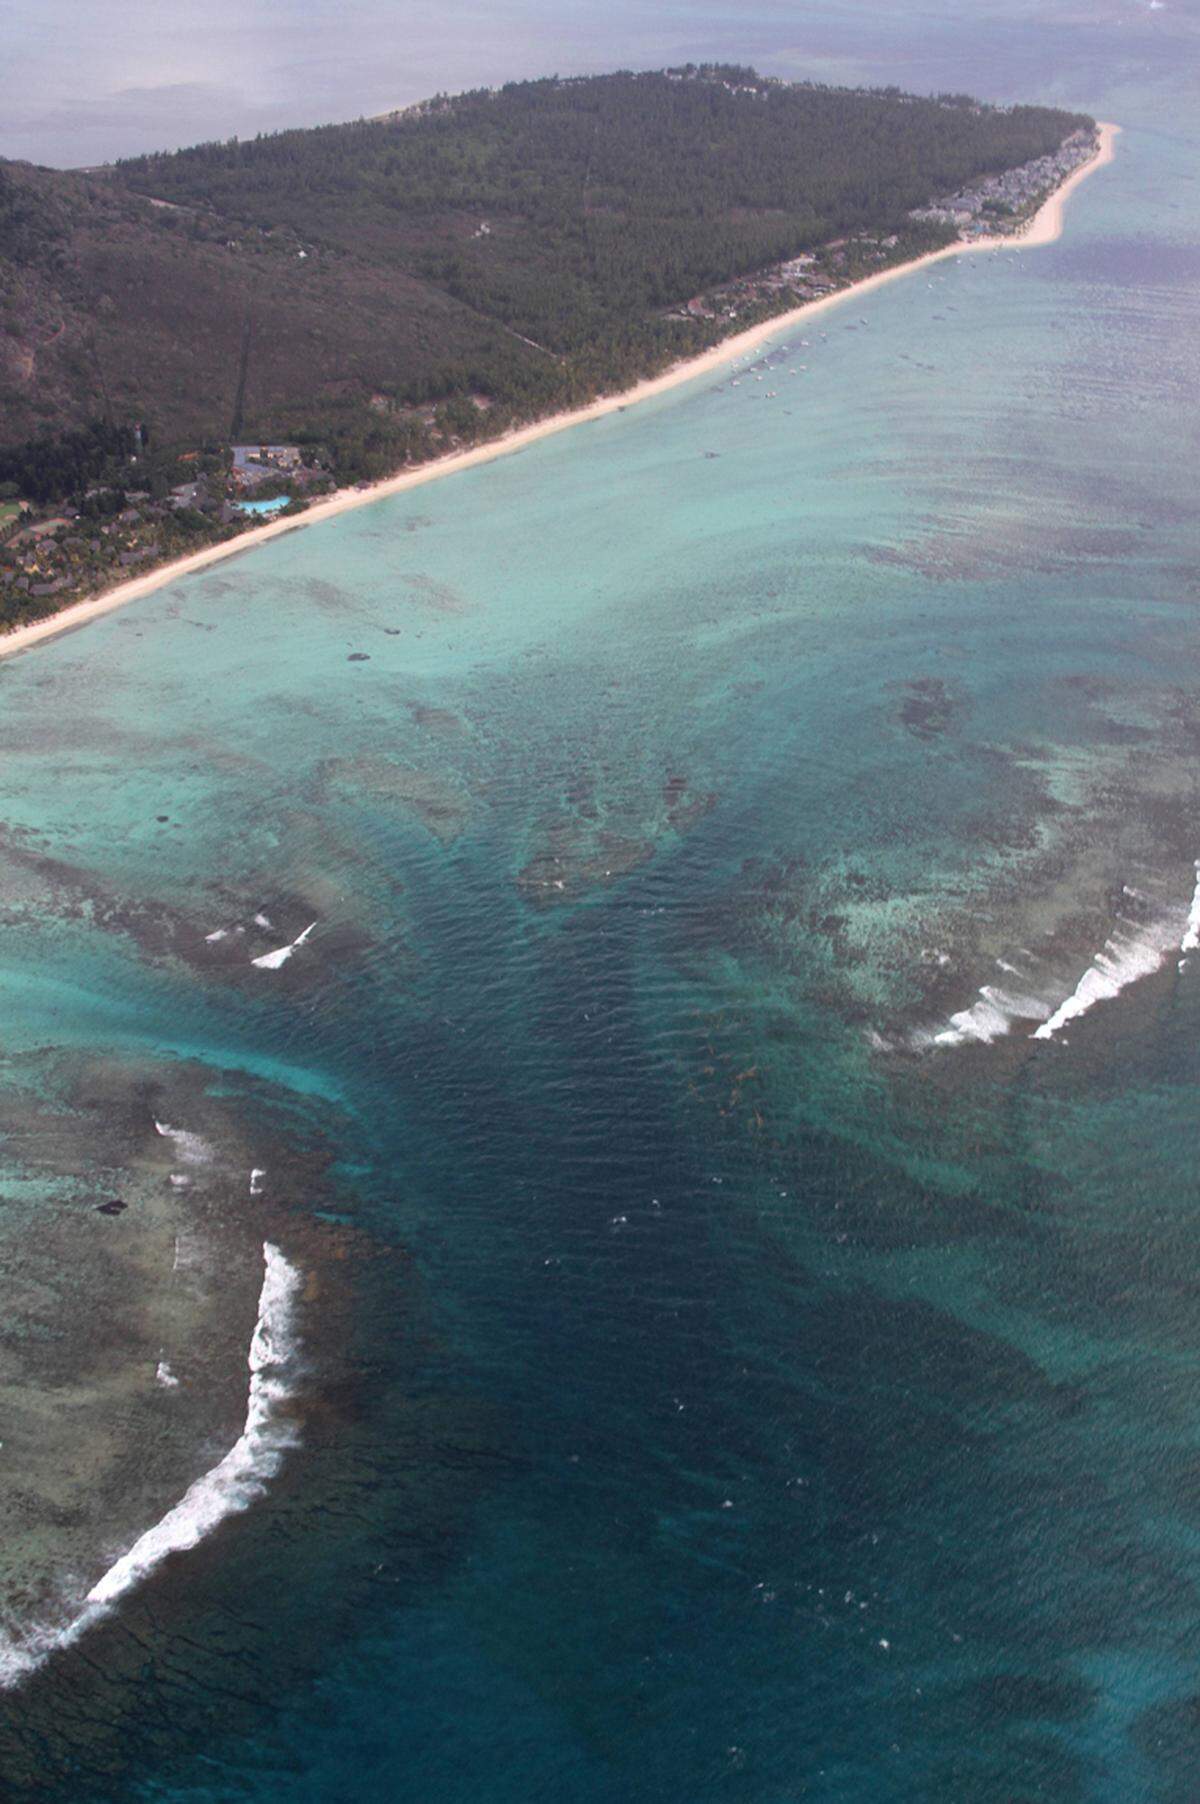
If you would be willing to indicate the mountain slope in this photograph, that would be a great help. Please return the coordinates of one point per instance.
(522, 247)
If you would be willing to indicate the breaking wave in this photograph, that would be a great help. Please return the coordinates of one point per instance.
(1135, 948)
(990, 1015)
(1191, 936)
(271, 961)
(227, 1488)
(1122, 959)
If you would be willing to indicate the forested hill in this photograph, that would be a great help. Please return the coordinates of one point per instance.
(604, 197)
(524, 247)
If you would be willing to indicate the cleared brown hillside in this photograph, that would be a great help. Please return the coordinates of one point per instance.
(534, 246)
(123, 309)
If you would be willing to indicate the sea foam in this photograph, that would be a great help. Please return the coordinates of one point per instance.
(1124, 957)
(990, 1015)
(193, 1149)
(227, 1488)
(271, 961)
(1136, 948)
(1191, 933)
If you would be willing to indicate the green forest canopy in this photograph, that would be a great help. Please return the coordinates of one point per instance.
(527, 245)
(605, 196)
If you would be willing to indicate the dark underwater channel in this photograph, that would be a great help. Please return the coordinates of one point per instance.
(710, 1383)
(713, 1449)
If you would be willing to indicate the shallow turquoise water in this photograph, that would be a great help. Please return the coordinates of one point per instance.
(775, 1405)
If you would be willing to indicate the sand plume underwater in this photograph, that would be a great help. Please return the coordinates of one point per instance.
(641, 1010)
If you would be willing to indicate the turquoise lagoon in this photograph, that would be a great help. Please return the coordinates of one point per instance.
(736, 1357)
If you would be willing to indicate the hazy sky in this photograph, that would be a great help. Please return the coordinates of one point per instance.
(86, 80)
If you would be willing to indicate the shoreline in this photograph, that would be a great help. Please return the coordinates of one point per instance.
(1044, 228)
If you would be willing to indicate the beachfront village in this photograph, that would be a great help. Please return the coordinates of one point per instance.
(141, 508)
(995, 206)
(86, 510)
(133, 505)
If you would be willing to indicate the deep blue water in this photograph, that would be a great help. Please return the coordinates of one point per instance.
(712, 1384)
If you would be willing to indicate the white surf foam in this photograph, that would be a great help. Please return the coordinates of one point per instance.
(990, 1015)
(165, 1376)
(1191, 933)
(192, 1148)
(220, 934)
(228, 1488)
(271, 961)
(1136, 948)
(241, 1477)
(1122, 960)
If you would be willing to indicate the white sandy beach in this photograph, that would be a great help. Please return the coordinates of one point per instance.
(1044, 228)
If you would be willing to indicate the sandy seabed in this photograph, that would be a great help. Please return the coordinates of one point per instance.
(1044, 228)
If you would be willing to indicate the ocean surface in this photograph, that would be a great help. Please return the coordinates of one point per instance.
(599, 1140)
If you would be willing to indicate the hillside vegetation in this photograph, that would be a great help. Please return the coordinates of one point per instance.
(456, 267)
